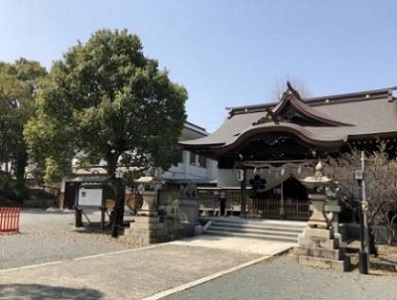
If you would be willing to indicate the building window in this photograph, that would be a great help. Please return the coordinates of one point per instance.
(202, 161)
(197, 160)
(193, 159)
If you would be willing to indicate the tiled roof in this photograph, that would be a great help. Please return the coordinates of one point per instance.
(345, 117)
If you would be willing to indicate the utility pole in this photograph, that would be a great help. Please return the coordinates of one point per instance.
(364, 209)
(243, 186)
(359, 176)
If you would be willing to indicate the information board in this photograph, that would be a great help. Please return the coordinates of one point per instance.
(90, 197)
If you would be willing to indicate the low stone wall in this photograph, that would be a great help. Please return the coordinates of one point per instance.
(146, 230)
(381, 234)
(173, 219)
(352, 232)
(40, 203)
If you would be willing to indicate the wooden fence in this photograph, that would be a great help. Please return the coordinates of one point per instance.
(9, 219)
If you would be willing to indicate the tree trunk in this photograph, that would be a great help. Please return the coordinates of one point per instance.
(373, 248)
(111, 161)
(391, 228)
(118, 210)
(21, 162)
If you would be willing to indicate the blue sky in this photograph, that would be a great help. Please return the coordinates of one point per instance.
(226, 53)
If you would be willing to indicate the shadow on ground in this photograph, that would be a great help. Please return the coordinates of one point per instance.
(45, 292)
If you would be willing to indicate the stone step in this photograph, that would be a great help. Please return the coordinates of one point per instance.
(260, 229)
(268, 227)
(253, 230)
(258, 222)
(252, 235)
(343, 265)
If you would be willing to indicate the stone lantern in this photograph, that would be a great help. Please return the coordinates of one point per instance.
(150, 197)
(317, 245)
(316, 186)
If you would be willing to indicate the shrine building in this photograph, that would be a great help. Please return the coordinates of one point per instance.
(271, 145)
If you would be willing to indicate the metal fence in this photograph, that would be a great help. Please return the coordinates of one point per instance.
(209, 201)
(263, 208)
(269, 207)
(297, 210)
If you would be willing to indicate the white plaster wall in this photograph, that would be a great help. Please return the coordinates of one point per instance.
(227, 177)
(185, 170)
(212, 169)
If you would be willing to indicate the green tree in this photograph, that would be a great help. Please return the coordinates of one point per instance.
(18, 90)
(106, 100)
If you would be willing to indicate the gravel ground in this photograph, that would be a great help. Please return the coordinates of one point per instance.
(131, 274)
(51, 236)
(282, 278)
(48, 236)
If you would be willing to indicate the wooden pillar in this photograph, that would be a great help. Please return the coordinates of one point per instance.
(244, 193)
(282, 210)
(78, 213)
(103, 214)
(61, 200)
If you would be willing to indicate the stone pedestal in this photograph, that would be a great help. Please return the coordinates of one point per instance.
(188, 214)
(148, 228)
(332, 210)
(318, 247)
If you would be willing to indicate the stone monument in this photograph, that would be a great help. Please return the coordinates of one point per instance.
(317, 245)
(188, 208)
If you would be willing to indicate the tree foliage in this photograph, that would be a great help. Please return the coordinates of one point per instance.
(18, 89)
(106, 101)
(382, 187)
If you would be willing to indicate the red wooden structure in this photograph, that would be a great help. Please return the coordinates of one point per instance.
(9, 219)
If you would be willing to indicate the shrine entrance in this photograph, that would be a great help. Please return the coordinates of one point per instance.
(296, 202)
(288, 200)
(276, 142)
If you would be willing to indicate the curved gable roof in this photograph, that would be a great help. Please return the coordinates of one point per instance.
(307, 135)
(292, 99)
(353, 115)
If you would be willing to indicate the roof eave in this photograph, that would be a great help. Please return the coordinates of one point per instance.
(242, 138)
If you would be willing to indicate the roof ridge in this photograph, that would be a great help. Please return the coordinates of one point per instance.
(353, 94)
(347, 97)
